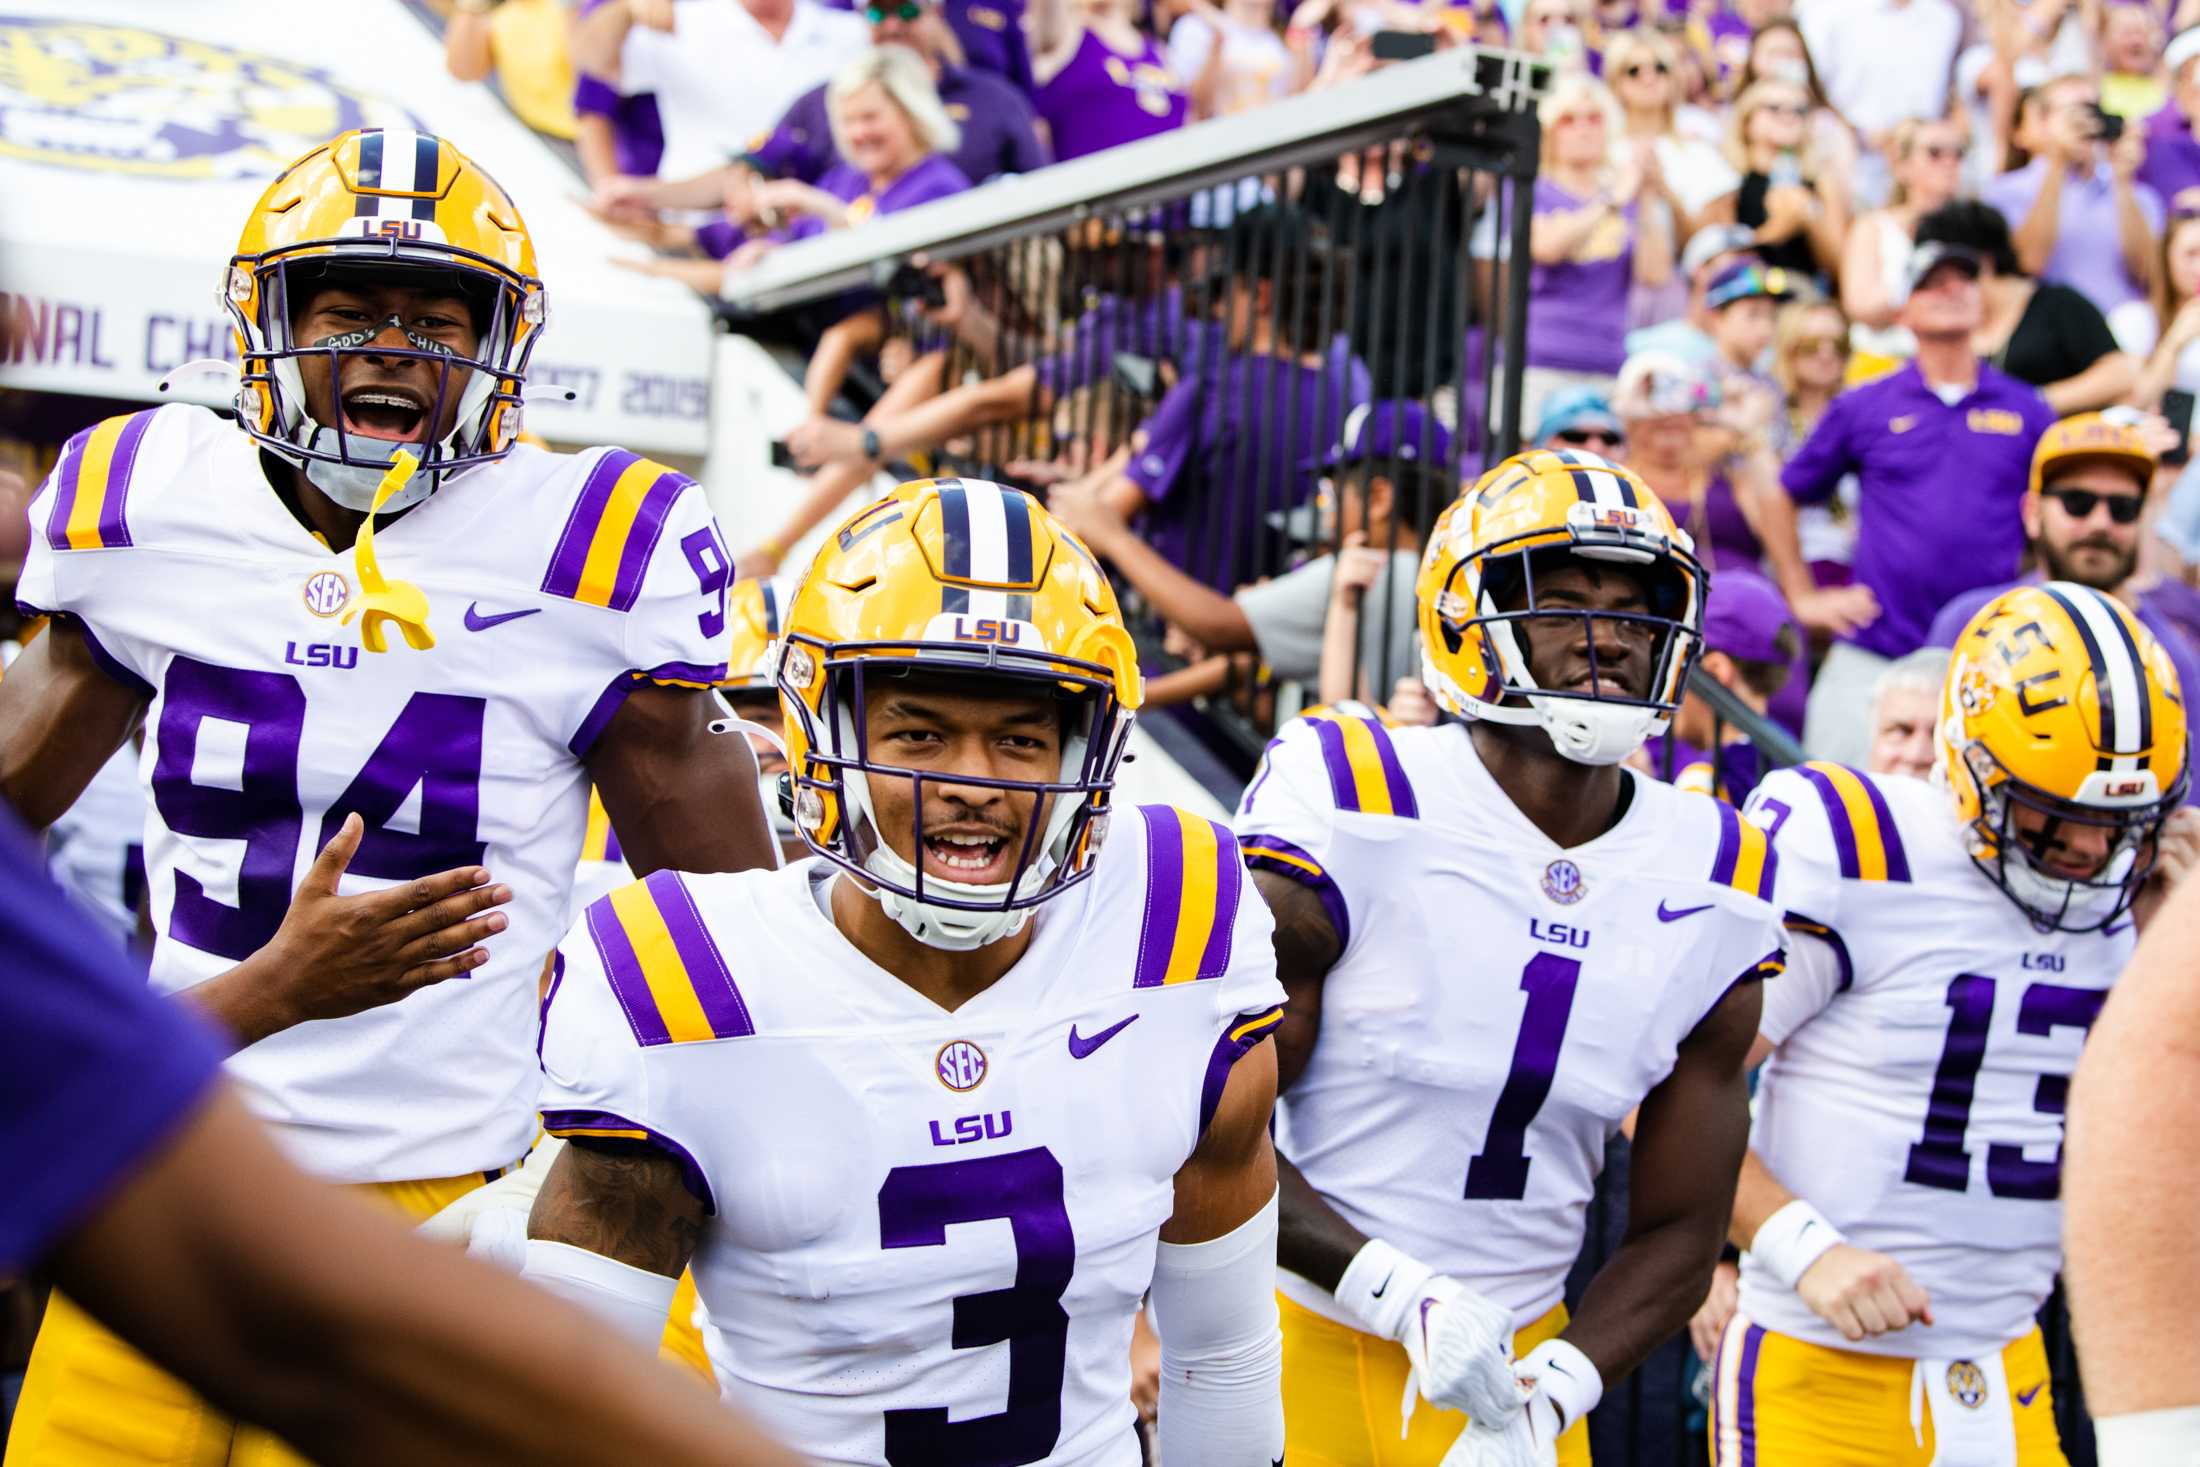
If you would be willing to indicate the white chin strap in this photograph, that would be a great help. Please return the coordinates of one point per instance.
(952, 929)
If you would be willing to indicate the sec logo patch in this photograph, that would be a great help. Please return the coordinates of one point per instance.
(1562, 882)
(960, 1065)
(326, 592)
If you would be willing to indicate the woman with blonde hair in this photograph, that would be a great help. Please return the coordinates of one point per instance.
(1798, 209)
(1926, 157)
(1592, 241)
(1643, 70)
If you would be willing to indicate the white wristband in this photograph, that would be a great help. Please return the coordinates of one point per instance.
(1379, 1287)
(2166, 1438)
(1568, 1379)
(1792, 1239)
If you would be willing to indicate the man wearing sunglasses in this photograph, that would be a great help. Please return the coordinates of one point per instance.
(2081, 515)
(1581, 418)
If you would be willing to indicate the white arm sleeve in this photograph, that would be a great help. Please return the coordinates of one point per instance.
(1214, 1306)
(634, 1300)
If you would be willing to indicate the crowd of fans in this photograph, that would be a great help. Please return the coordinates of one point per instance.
(1893, 301)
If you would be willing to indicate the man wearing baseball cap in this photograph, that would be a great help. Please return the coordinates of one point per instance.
(1386, 479)
(2081, 515)
(1942, 451)
(1751, 647)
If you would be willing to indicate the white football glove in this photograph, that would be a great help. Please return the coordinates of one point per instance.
(1458, 1343)
(490, 1222)
(1556, 1386)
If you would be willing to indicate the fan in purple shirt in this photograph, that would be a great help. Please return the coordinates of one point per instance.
(1102, 81)
(1226, 450)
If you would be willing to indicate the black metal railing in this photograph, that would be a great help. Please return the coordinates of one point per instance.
(1197, 316)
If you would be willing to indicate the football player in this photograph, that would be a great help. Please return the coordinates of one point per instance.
(962, 1079)
(529, 622)
(1956, 938)
(1497, 942)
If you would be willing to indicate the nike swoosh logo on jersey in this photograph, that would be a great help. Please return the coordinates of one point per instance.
(1674, 914)
(2024, 1398)
(476, 622)
(1079, 1048)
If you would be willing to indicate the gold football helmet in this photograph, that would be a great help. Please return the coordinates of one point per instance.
(382, 203)
(2062, 738)
(1488, 546)
(979, 581)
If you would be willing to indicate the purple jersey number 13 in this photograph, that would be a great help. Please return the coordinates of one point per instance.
(1499, 1171)
(916, 1207)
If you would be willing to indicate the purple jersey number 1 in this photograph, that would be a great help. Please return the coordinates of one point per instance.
(916, 1207)
(1499, 1171)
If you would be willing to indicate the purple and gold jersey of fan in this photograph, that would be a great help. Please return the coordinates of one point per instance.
(556, 585)
(1916, 1096)
(895, 1189)
(1101, 99)
(1500, 1003)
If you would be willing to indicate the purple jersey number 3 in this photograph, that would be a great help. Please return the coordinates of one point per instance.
(434, 744)
(916, 1207)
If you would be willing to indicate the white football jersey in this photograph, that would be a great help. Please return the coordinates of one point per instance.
(1501, 1002)
(1916, 1097)
(556, 584)
(929, 1231)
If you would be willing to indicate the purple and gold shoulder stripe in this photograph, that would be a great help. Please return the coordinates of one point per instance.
(669, 977)
(1865, 841)
(603, 552)
(1245, 1032)
(1365, 775)
(599, 842)
(1194, 881)
(1746, 860)
(1265, 852)
(92, 490)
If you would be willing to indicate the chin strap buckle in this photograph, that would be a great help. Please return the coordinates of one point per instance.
(380, 599)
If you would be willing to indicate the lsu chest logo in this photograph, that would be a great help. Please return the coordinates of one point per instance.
(123, 99)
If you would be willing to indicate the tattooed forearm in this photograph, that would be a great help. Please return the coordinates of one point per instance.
(626, 1202)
